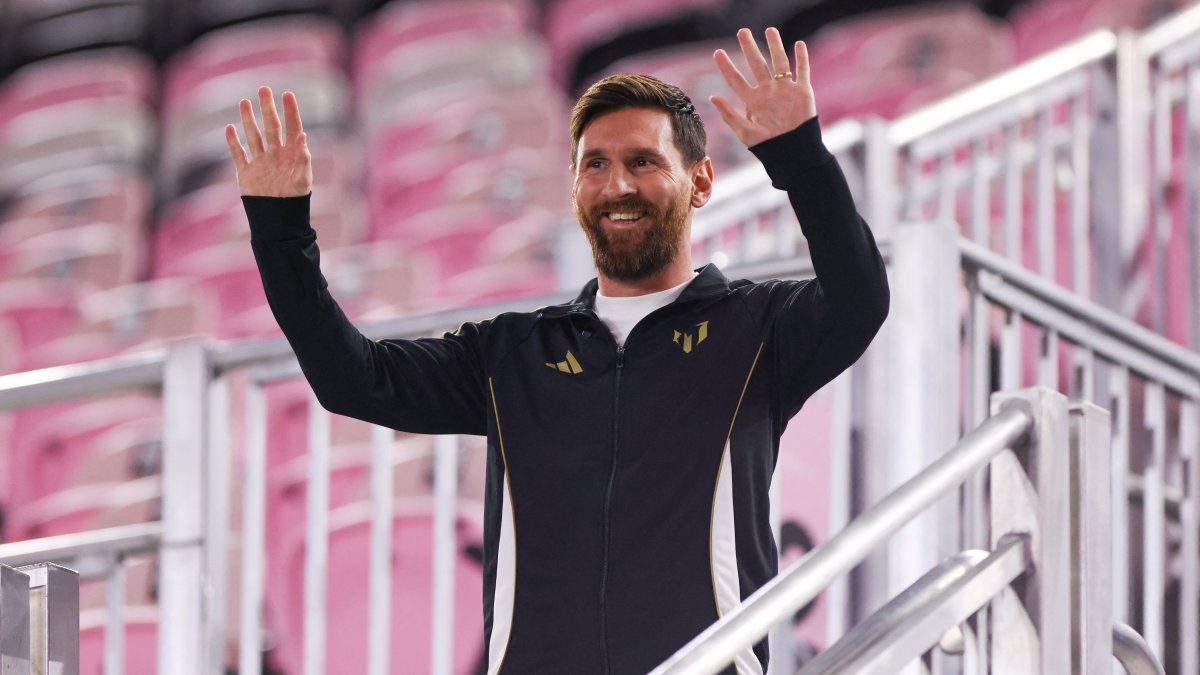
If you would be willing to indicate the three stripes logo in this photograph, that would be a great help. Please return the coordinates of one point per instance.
(570, 365)
(687, 340)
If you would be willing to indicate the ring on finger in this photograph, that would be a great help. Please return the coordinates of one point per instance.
(786, 74)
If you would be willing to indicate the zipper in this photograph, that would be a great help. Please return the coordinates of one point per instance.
(612, 477)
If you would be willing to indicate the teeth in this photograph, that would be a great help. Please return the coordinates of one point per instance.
(624, 216)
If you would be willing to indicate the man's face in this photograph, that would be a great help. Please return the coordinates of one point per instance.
(632, 194)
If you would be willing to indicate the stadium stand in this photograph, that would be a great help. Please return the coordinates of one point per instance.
(439, 135)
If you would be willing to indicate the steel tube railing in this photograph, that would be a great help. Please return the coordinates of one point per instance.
(68, 549)
(915, 620)
(779, 598)
(1133, 652)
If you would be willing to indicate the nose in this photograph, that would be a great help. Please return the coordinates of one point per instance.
(620, 183)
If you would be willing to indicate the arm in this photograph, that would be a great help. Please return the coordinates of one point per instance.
(825, 324)
(428, 385)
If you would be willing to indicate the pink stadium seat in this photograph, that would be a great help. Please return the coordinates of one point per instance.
(479, 124)
(1045, 24)
(516, 181)
(226, 274)
(463, 64)
(249, 46)
(400, 24)
(573, 25)
(148, 311)
(204, 218)
(141, 641)
(914, 40)
(117, 73)
(346, 646)
(98, 193)
(87, 507)
(500, 281)
(37, 311)
(381, 274)
(51, 446)
(98, 255)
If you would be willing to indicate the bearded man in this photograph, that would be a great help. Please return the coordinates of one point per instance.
(632, 433)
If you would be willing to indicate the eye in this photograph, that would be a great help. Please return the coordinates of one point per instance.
(641, 161)
(595, 164)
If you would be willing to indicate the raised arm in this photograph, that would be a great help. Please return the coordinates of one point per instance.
(427, 385)
(825, 324)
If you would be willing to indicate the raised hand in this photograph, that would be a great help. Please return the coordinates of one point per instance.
(277, 165)
(777, 101)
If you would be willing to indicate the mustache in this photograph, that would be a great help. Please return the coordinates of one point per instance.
(624, 205)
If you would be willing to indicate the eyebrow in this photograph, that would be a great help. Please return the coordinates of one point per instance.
(650, 152)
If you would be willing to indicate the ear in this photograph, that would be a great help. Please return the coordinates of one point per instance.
(702, 181)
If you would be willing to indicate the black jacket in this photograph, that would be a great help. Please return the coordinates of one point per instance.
(627, 489)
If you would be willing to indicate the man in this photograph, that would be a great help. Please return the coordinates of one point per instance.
(632, 433)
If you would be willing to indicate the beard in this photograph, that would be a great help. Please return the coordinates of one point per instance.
(638, 252)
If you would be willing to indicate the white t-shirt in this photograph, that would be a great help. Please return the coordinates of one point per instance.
(622, 314)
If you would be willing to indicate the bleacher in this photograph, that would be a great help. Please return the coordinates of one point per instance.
(438, 131)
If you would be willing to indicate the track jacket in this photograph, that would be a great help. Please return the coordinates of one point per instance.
(626, 496)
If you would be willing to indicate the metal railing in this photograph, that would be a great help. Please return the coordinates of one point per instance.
(39, 620)
(923, 164)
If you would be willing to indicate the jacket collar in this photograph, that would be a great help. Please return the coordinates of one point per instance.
(709, 283)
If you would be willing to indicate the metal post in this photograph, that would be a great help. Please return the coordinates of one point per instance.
(14, 622)
(54, 619)
(114, 622)
(1030, 494)
(181, 574)
(379, 641)
(1091, 534)
(923, 388)
(444, 543)
(316, 558)
(218, 495)
(254, 502)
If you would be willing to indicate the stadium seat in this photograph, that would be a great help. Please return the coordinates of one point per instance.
(87, 507)
(412, 574)
(102, 193)
(403, 23)
(573, 25)
(141, 640)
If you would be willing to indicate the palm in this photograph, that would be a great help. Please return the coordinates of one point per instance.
(276, 165)
(775, 103)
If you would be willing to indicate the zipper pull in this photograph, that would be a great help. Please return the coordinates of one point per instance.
(620, 356)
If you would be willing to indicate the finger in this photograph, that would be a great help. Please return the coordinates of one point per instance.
(250, 128)
(732, 117)
(733, 77)
(291, 115)
(236, 151)
(754, 57)
(272, 127)
(779, 59)
(803, 71)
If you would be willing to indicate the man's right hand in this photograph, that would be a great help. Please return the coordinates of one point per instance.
(276, 165)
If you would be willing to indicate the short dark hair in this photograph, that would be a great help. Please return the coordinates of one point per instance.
(627, 90)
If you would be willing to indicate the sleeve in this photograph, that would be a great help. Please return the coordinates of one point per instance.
(432, 385)
(823, 325)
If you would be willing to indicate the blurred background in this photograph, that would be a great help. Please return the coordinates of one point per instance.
(439, 136)
(438, 132)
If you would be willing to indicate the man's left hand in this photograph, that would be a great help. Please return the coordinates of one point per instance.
(778, 101)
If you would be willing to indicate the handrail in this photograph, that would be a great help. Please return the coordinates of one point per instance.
(1026, 77)
(123, 540)
(912, 622)
(779, 598)
(1100, 317)
(1132, 651)
(1171, 31)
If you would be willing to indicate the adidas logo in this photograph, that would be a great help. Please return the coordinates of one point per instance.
(687, 340)
(570, 366)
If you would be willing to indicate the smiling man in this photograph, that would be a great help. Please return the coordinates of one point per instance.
(632, 432)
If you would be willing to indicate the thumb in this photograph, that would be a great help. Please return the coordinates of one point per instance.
(734, 119)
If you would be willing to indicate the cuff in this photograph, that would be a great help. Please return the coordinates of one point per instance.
(787, 156)
(277, 218)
